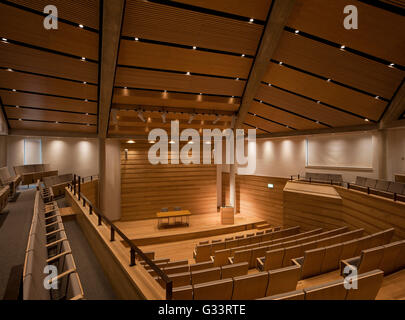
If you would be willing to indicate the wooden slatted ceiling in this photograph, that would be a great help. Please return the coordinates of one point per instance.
(399, 3)
(85, 12)
(146, 79)
(36, 61)
(246, 128)
(306, 107)
(165, 23)
(324, 91)
(170, 99)
(141, 54)
(50, 126)
(146, 188)
(41, 101)
(340, 65)
(283, 117)
(256, 9)
(46, 115)
(27, 27)
(33, 83)
(380, 32)
(266, 125)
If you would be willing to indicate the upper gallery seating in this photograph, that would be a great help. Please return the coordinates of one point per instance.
(203, 252)
(58, 183)
(326, 258)
(33, 172)
(7, 179)
(368, 285)
(384, 188)
(4, 192)
(323, 178)
(48, 245)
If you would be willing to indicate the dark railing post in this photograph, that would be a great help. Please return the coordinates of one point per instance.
(310, 179)
(112, 234)
(395, 196)
(74, 185)
(298, 177)
(79, 189)
(132, 261)
(99, 220)
(348, 185)
(368, 190)
(91, 210)
(84, 203)
(169, 290)
(91, 178)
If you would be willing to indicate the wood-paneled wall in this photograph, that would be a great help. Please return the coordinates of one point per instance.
(254, 197)
(90, 190)
(146, 188)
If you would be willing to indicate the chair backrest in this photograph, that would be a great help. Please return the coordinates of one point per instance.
(176, 269)
(243, 241)
(361, 181)
(257, 253)
(217, 245)
(203, 252)
(368, 285)
(283, 280)
(229, 239)
(231, 243)
(312, 262)
(204, 242)
(201, 265)
(362, 244)
(370, 259)
(390, 256)
(180, 279)
(242, 256)
(400, 262)
(240, 237)
(183, 293)
(205, 275)
(291, 253)
(332, 257)
(214, 290)
(349, 249)
(274, 259)
(234, 270)
(177, 208)
(396, 187)
(251, 286)
(371, 182)
(382, 185)
(164, 210)
(292, 295)
(221, 257)
(350, 235)
(329, 291)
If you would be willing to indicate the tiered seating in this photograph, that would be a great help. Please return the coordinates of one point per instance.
(281, 254)
(252, 286)
(58, 183)
(368, 285)
(33, 172)
(7, 179)
(384, 188)
(4, 192)
(388, 257)
(324, 259)
(204, 252)
(336, 179)
(48, 245)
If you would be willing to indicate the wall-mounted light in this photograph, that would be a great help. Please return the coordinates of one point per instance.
(270, 186)
(130, 141)
(126, 154)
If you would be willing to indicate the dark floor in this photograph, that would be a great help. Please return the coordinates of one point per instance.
(14, 229)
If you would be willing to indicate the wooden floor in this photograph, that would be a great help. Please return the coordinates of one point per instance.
(146, 232)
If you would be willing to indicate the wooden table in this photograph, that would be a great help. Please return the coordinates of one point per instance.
(173, 214)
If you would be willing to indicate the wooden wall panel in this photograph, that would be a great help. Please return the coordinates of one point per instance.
(159, 22)
(379, 34)
(324, 91)
(31, 60)
(49, 126)
(265, 124)
(340, 65)
(41, 101)
(141, 54)
(146, 79)
(147, 188)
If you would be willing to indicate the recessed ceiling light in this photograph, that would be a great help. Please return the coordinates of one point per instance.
(261, 101)
(136, 39)
(19, 119)
(242, 55)
(254, 114)
(207, 142)
(88, 124)
(87, 113)
(83, 58)
(130, 141)
(392, 65)
(80, 26)
(329, 80)
(251, 20)
(233, 96)
(17, 107)
(56, 122)
(318, 102)
(200, 93)
(317, 121)
(377, 97)
(269, 84)
(171, 142)
(85, 100)
(14, 90)
(188, 73)
(280, 63)
(366, 120)
(84, 82)
(194, 47)
(4, 39)
(297, 31)
(9, 69)
(342, 47)
(287, 126)
(237, 79)
(125, 87)
(164, 91)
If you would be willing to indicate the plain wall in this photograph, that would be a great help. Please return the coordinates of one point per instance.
(395, 152)
(67, 155)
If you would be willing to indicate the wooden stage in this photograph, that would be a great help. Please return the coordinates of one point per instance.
(146, 232)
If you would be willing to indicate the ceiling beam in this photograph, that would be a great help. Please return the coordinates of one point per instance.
(395, 109)
(42, 133)
(113, 12)
(279, 14)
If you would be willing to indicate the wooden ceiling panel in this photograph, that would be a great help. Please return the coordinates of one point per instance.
(256, 9)
(159, 22)
(141, 54)
(85, 12)
(324, 91)
(307, 107)
(46, 102)
(36, 61)
(339, 65)
(28, 82)
(131, 115)
(380, 32)
(398, 3)
(283, 117)
(46, 115)
(246, 128)
(27, 27)
(146, 79)
(264, 124)
(169, 99)
(48, 126)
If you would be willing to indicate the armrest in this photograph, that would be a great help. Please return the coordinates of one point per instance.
(51, 224)
(52, 232)
(52, 244)
(194, 254)
(50, 217)
(230, 259)
(212, 258)
(78, 297)
(260, 263)
(298, 261)
(62, 275)
(352, 262)
(60, 255)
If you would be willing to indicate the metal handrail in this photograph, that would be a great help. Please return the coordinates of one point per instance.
(134, 250)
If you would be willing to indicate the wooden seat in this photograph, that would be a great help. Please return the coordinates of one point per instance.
(215, 246)
(349, 249)
(231, 244)
(180, 279)
(243, 242)
(400, 261)
(368, 285)
(272, 260)
(248, 287)
(283, 280)
(330, 291)
(350, 235)
(242, 256)
(390, 256)
(292, 295)
(370, 259)
(362, 244)
(234, 270)
(220, 257)
(202, 252)
(312, 262)
(176, 269)
(214, 290)
(291, 253)
(256, 253)
(205, 275)
(183, 293)
(201, 265)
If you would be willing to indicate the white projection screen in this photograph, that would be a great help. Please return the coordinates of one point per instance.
(340, 151)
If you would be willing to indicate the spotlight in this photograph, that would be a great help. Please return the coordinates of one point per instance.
(130, 141)
(140, 115)
(216, 119)
(191, 118)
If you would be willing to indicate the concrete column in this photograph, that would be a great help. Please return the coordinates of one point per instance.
(219, 185)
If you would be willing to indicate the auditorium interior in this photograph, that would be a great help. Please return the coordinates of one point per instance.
(202, 150)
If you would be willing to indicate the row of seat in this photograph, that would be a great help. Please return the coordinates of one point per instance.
(204, 252)
(389, 258)
(250, 253)
(245, 287)
(382, 188)
(33, 172)
(323, 259)
(48, 254)
(324, 178)
(58, 183)
(7, 180)
(4, 193)
(368, 285)
(196, 276)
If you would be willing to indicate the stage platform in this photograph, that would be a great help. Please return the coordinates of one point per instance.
(146, 232)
